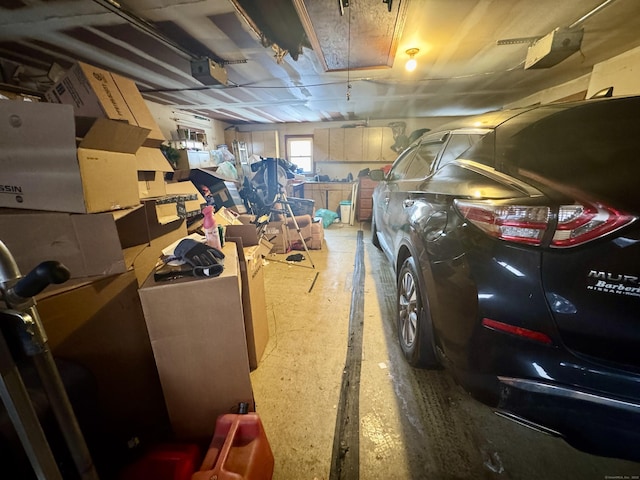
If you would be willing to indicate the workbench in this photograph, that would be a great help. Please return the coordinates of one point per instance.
(328, 195)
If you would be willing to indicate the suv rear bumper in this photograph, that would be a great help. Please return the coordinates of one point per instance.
(589, 421)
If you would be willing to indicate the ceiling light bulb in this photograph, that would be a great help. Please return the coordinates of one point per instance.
(411, 63)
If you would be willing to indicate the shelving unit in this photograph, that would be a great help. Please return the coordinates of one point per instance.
(364, 204)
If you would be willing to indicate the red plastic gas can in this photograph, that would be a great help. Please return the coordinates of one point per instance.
(165, 462)
(239, 450)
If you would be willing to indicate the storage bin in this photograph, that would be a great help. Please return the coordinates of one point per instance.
(345, 211)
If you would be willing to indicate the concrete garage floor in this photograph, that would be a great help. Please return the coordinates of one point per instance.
(409, 424)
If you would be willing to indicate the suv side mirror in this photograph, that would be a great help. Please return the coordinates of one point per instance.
(376, 175)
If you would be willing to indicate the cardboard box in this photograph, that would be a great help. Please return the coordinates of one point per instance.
(277, 233)
(317, 236)
(42, 170)
(144, 258)
(238, 226)
(152, 166)
(304, 225)
(87, 245)
(170, 208)
(100, 325)
(132, 226)
(196, 327)
(95, 92)
(191, 202)
(254, 303)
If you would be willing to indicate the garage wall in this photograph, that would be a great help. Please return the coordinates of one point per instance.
(168, 120)
(621, 72)
(339, 170)
(554, 94)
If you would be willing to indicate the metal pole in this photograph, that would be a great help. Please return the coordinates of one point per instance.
(14, 393)
(24, 418)
(36, 345)
(304, 244)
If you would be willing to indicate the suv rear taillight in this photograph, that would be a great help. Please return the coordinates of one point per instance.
(516, 223)
(527, 224)
(581, 223)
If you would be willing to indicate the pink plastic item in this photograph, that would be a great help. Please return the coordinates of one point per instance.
(210, 228)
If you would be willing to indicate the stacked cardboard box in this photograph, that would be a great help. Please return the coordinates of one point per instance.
(99, 323)
(96, 93)
(277, 233)
(252, 249)
(82, 185)
(198, 339)
(43, 170)
(317, 235)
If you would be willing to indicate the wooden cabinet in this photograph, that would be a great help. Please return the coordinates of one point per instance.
(265, 143)
(321, 144)
(372, 144)
(364, 203)
(336, 144)
(359, 144)
(353, 144)
(328, 195)
(315, 193)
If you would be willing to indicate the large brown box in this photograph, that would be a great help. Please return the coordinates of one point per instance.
(144, 258)
(197, 333)
(254, 302)
(152, 166)
(95, 92)
(42, 170)
(100, 325)
(277, 234)
(87, 244)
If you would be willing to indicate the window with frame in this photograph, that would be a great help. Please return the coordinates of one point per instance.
(457, 145)
(401, 165)
(300, 152)
(425, 157)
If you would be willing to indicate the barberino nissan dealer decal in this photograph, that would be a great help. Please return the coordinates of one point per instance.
(607, 282)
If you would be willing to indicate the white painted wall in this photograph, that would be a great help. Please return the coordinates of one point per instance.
(169, 118)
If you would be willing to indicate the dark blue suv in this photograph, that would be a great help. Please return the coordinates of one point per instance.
(516, 243)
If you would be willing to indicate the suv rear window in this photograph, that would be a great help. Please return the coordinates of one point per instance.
(594, 147)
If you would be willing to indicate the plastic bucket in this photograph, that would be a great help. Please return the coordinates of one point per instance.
(345, 211)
